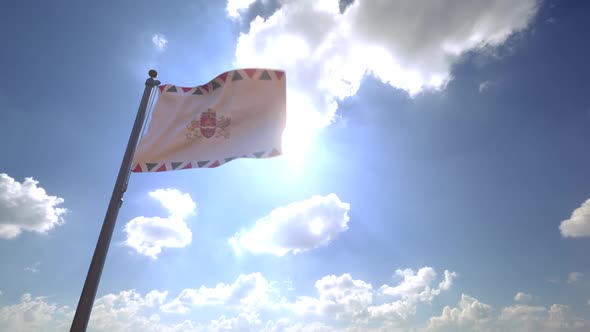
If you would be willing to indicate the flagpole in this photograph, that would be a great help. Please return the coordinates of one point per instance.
(80, 322)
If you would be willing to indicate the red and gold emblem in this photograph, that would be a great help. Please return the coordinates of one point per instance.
(208, 125)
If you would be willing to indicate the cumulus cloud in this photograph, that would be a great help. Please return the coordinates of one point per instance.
(251, 303)
(159, 41)
(295, 228)
(410, 45)
(470, 313)
(523, 297)
(339, 297)
(574, 277)
(27, 207)
(33, 268)
(355, 301)
(473, 315)
(148, 235)
(127, 311)
(247, 292)
(234, 7)
(484, 85)
(33, 314)
(557, 317)
(578, 224)
(414, 288)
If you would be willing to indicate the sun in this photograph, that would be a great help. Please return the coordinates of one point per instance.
(303, 124)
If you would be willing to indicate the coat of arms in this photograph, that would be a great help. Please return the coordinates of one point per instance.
(208, 125)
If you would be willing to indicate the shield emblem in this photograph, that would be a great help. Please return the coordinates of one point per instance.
(208, 123)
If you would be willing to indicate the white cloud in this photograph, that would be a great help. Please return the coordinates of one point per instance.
(27, 207)
(418, 284)
(247, 292)
(179, 205)
(33, 268)
(484, 85)
(410, 45)
(159, 41)
(528, 318)
(523, 297)
(155, 298)
(126, 311)
(148, 235)
(296, 227)
(473, 315)
(250, 303)
(469, 313)
(574, 277)
(32, 314)
(354, 301)
(339, 297)
(234, 7)
(415, 287)
(578, 224)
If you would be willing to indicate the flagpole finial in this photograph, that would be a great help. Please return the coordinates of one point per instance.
(153, 73)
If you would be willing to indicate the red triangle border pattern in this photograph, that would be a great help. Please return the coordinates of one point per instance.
(164, 167)
(246, 74)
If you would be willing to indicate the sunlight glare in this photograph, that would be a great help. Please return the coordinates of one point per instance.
(316, 226)
(303, 124)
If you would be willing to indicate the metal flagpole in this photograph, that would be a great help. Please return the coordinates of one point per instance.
(86, 301)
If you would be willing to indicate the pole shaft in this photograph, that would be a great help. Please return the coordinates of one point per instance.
(80, 322)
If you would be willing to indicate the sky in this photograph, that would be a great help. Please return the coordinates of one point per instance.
(435, 174)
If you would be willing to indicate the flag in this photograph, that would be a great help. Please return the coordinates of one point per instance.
(239, 114)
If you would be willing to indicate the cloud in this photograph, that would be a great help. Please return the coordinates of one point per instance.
(578, 224)
(523, 297)
(33, 314)
(354, 301)
(296, 227)
(410, 45)
(127, 311)
(470, 313)
(155, 298)
(473, 315)
(159, 41)
(251, 303)
(414, 288)
(247, 292)
(27, 207)
(148, 235)
(33, 268)
(484, 85)
(179, 205)
(574, 277)
(234, 7)
(528, 318)
(339, 297)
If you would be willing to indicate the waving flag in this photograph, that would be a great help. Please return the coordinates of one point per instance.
(239, 114)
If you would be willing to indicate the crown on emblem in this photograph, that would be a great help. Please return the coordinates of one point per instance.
(209, 114)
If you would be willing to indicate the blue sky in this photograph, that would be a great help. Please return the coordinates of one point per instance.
(441, 145)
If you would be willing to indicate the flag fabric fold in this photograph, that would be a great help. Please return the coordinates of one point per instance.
(239, 114)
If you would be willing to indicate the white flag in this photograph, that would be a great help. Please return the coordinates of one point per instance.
(239, 114)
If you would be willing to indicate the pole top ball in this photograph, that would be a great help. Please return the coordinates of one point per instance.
(153, 73)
